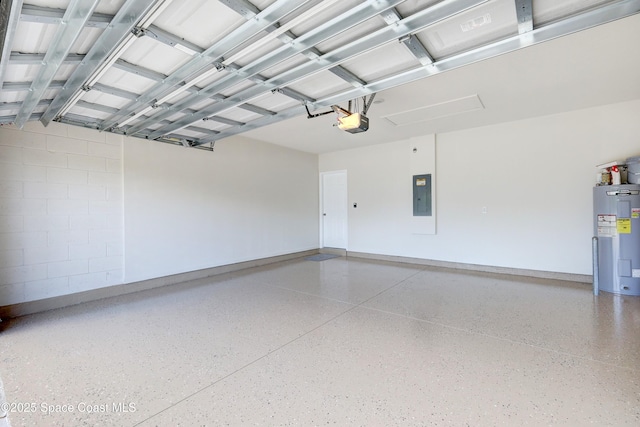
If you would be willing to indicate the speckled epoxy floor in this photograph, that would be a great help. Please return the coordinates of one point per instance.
(342, 342)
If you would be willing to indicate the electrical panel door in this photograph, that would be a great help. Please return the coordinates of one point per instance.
(422, 195)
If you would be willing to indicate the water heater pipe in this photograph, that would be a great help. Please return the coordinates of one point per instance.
(594, 248)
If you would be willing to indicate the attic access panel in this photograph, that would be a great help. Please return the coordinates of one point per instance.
(209, 69)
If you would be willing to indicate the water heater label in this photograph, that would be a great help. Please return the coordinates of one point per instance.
(635, 213)
(624, 225)
(607, 226)
(635, 272)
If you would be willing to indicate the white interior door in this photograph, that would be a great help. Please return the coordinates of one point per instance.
(334, 209)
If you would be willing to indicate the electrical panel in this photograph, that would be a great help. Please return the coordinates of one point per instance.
(422, 195)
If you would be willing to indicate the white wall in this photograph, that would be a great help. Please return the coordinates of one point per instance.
(533, 176)
(190, 209)
(60, 211)
(62, 207)
(66, 222)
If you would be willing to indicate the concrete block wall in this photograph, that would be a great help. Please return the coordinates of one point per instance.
(61, 211)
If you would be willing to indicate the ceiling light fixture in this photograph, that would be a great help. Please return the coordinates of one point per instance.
(111, 59)
(124, 44)
(179, 90)
(186, 86)
(72, 101)
(135, 116)
(153, 14)
(281, 30)
(478, 22)
(145, 22)
(185, 49)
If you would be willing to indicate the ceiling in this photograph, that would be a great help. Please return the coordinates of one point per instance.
(193, 72)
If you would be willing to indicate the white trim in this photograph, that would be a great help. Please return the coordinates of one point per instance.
(476, 268)
(31, 307)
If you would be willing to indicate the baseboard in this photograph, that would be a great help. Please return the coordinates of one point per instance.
(581, 278)
(31, 307)
(334, 251)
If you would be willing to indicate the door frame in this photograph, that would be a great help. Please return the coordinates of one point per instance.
(321, 205)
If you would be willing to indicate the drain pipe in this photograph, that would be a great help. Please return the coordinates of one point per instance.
(594, 249)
